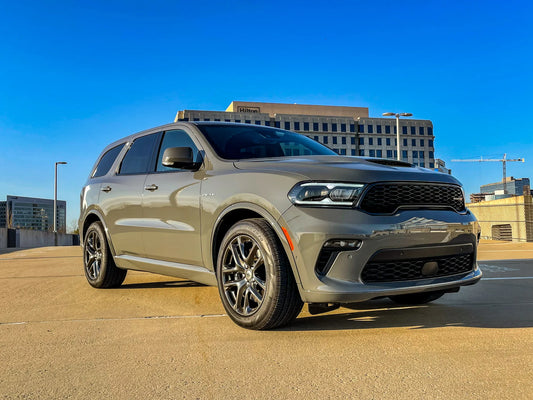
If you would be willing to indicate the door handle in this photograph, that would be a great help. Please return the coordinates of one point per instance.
(106, 189)
(151, 187)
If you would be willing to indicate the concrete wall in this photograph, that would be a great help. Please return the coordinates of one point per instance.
(31, 238)
(3, 238)
(515, 211)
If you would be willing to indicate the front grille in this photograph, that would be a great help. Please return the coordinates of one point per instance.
(407, 270)
(386, 198)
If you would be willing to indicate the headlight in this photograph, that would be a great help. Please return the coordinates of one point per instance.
(325, 193)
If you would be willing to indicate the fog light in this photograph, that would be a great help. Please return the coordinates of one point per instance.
(343, 244)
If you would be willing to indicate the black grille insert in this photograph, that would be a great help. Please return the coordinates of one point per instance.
(411, 269)
(386, 198)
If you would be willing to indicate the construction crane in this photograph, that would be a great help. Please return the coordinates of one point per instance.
(503, 160)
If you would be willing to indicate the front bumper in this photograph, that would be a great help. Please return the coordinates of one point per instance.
(409, 230)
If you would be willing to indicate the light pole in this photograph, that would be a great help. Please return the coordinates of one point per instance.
(55, 200)
(397, 115)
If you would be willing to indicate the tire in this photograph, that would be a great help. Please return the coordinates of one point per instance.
(100, 269)
(417, 298)
(255, 280)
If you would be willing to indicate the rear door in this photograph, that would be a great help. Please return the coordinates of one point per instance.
(171, 206)
(121, 196)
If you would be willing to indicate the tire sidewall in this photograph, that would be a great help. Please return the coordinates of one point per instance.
(263, 314)
(99, 281)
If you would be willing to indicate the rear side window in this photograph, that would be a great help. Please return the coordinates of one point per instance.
(107, 161)
(139, 157)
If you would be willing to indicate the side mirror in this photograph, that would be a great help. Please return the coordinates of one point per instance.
(179, 157)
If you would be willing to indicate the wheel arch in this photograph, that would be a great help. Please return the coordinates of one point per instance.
(238, 212)
(95, 216)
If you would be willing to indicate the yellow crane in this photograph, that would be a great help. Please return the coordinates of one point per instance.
(503, 160)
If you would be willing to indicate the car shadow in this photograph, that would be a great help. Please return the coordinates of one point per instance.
(386, 314)
(161, 284)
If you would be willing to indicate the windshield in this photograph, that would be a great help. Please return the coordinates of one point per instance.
(237, 142)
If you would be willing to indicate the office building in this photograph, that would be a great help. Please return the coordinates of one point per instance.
(346, 130)
(514, 186)
(32, 213)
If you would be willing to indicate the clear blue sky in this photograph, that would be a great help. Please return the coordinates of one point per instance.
(75, 76)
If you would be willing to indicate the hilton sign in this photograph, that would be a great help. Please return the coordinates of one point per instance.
(245, 109)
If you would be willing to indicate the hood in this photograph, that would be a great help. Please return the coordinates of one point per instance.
(346, 169)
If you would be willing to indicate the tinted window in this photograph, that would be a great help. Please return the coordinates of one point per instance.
(177, 138)
(107, 161)
(242, 142)
(137, 159)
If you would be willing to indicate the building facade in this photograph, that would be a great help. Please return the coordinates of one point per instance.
(347, 130)
(32, 213)
(514, 186)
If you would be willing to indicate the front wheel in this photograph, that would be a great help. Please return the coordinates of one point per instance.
(255, 280)
(100, 269)
(417, 298)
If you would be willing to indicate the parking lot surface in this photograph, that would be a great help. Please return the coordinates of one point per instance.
(166, 338)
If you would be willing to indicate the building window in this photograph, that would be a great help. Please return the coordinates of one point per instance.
(415, 154)
(316, 138)
(420, 130)
(404, 154)
(267, 123)
(430, 143)
(206, 119)
(361, 141)
(371, 141)
(324, 127)
(306, 126)
(430, 131)
(217, 119)
(372, 153)
(258, 122)
(353, 152)
(334, 139)
(239, 121)
(325, 138)
(196, 119)
(404, 130)
(333, 127)
(395, 153)
(431, 154)
(378, 128)
(370, 128)
(277, 124)
(296, 126)
(387, 128)
(431, 165)
(421, 142)
(227, 120)
(361, 152)
(413, 130)
(421, 154)
(389, 153)
(315, 126)
(379, 153)
(413, 142)
(395, 142)
(343, 152)
(361, 129)
(352, 127)
(343, 140)
(287, 125)
(404, 142)
(395, 129)
(379, 142)
(387, 141)
(343, 127)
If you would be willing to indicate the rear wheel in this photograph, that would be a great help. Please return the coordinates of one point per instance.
(254, 277)
(417, 298)
(100, 269)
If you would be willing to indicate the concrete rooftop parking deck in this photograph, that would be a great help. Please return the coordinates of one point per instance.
(166, 338)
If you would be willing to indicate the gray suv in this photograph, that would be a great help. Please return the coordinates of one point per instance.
(275, 220)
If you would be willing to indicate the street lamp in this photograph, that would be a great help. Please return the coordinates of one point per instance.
(397, 115)
(55, 200)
